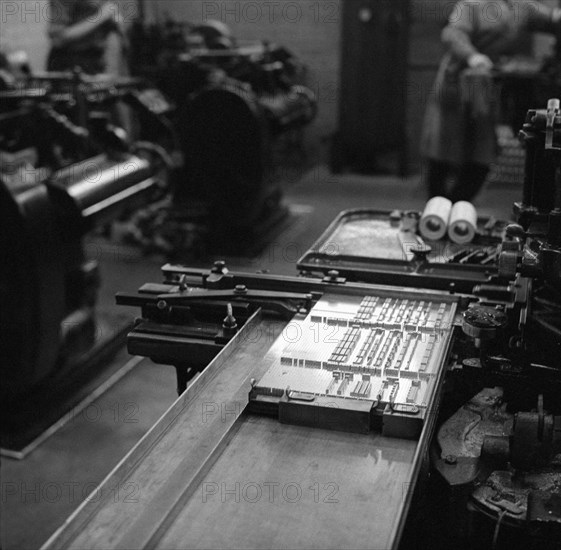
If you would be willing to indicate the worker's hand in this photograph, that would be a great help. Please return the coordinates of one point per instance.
(110, 12)
(480, 61)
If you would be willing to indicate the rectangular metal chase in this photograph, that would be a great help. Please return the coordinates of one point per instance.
(358, 363)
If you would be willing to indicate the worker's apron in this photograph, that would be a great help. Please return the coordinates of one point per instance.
(460, 119)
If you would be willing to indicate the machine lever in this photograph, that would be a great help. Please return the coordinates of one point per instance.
(246, 295)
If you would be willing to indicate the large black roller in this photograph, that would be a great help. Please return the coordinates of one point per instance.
(225, 141)
(45, 280)
(32, 287)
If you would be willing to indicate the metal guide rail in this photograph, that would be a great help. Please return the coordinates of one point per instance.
(357, 363)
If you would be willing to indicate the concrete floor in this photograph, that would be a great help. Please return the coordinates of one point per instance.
(39, 492)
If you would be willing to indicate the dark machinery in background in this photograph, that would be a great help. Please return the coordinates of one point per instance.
(78, 152)
(495, 459)
(240, 113)
(66, 169)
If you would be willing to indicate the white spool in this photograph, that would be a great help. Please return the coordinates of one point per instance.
(463, 223)
(434, 221)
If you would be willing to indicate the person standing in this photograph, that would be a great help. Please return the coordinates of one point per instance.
(459, 129)
(88, 34)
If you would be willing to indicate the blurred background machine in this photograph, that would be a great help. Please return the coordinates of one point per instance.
(66, 169)
(180, 171)
(449, 391)
(241, 109)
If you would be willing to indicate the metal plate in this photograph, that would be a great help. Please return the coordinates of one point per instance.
(381, 351)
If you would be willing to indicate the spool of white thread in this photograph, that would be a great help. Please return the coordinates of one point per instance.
(434, 221)
(462, 227)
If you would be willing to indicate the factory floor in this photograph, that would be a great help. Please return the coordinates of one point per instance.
(40, 491)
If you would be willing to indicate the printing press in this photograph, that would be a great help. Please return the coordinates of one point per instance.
(67, 169)
(79, 152)
(229, 189)
(409, 380)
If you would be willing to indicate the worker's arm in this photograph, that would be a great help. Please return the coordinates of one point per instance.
(457, 35)
(61, 33)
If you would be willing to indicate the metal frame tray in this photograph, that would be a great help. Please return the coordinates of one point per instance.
(375, 264)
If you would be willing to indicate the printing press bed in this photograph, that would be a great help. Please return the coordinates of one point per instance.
(211, 474)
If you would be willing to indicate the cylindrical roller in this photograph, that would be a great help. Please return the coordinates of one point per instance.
(230, 176)
(98, 189)
(462, 226)
(43, 280)
(434, 220)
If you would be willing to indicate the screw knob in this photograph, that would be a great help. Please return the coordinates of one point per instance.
(421, 252)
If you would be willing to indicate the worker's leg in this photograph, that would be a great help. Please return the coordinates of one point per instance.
(471, 178)
(435, 176)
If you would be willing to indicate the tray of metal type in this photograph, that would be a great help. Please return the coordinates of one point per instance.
(359, 363)
(377, 246)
